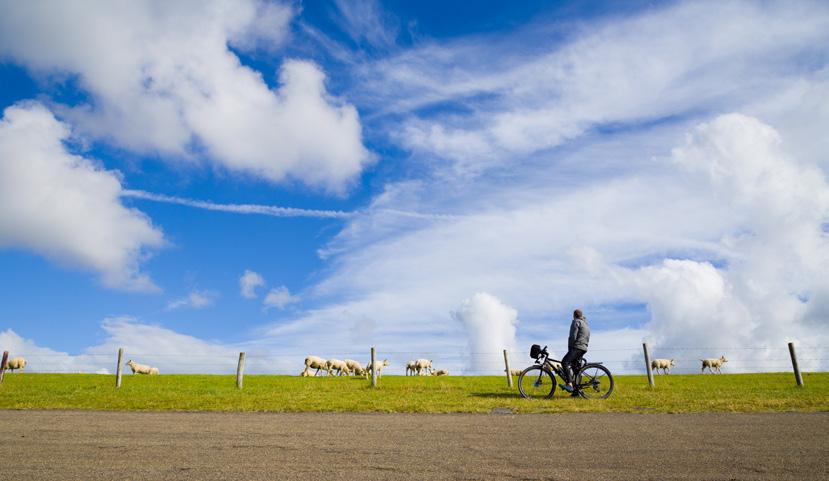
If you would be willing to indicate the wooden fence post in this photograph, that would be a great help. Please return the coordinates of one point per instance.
(506, 366)
(3, 365)
(373, 367)
(240, 370)
(797, 376)
(648, 363)
(118, 368)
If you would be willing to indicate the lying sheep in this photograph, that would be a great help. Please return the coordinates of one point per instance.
(314, 362)
(440, 372)
(337, 365)
(307, 373)
(712, 364)
(411, 367)
(142, 368)
(515, 372)
(664, 364)
(355, 367)
(15, 363)
(379, 365)
(423, 366)
(555, 365)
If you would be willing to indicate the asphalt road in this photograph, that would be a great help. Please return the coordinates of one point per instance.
(83, 445)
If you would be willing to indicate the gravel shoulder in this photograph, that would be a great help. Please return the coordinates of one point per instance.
(89, 445)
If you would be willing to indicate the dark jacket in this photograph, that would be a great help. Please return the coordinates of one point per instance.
(579, 334)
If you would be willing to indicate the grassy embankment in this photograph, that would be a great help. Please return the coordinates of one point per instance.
(674, 393)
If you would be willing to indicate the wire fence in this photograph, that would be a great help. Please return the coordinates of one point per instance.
(685, 360)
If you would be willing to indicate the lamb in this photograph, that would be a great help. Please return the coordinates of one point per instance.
(15, 363)
(423, 366)
(379, 365)
(314, 362)
(440, 372)
(355, 367)
(142, 368)
(664, 364)
(337, 365)
(712, 364)
(411, 367)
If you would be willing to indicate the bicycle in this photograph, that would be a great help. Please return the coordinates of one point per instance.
(592, 380)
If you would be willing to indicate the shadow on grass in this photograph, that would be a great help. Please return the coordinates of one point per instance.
(497, 395)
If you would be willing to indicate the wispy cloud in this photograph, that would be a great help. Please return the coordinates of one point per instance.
(194, 300)
(269, 210)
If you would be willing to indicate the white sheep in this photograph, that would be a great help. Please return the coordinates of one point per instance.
(15, 363)
(379, 365)
(555, 365)
(142, 368)
(423, 366)
(712, 364)
(440, 372)
(337, 365)
(355, 367)
(314, 362)
(411, 367)
(515, 372)
(307, 373)
(664, 364)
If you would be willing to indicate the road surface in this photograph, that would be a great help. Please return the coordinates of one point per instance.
(91, 445)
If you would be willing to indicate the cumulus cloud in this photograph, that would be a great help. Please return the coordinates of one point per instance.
(490, 328)
(64, 206)
(248, 284)
(279, 297)
(160, 78)
(195, 300)
(770, 290)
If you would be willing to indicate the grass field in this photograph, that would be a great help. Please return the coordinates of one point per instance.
(674, 394)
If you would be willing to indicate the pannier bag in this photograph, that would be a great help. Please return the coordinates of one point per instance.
(535, 350)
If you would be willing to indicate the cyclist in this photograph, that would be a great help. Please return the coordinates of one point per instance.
(576, 348)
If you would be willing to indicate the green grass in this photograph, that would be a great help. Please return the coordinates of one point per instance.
(674, 393)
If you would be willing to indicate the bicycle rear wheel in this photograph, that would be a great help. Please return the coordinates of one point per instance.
(536, 383)
(595, 382)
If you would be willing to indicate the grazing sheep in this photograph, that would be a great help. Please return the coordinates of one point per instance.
(379, 365)
(355, 367)
(423, 366)
(440, 372)
(337, 365)
(664, 364)
(314, 362)
(15, 363)
(142, 368)
(712, 364)
(411, 367)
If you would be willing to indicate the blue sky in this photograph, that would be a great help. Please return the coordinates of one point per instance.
(659, 164)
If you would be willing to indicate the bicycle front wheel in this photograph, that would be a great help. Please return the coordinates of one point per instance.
(595, 382)
(536, 383)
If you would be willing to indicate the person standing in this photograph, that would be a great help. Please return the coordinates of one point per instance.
(576, 348)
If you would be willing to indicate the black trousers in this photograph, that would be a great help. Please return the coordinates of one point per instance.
(570, 361)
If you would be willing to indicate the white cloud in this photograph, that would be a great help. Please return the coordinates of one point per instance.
(248, 284)
(161, 79)
(490, 328)
(365, 22)
(543, 86)
(170, 351)
(195, 300)
(279, 297)
(64, 206)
